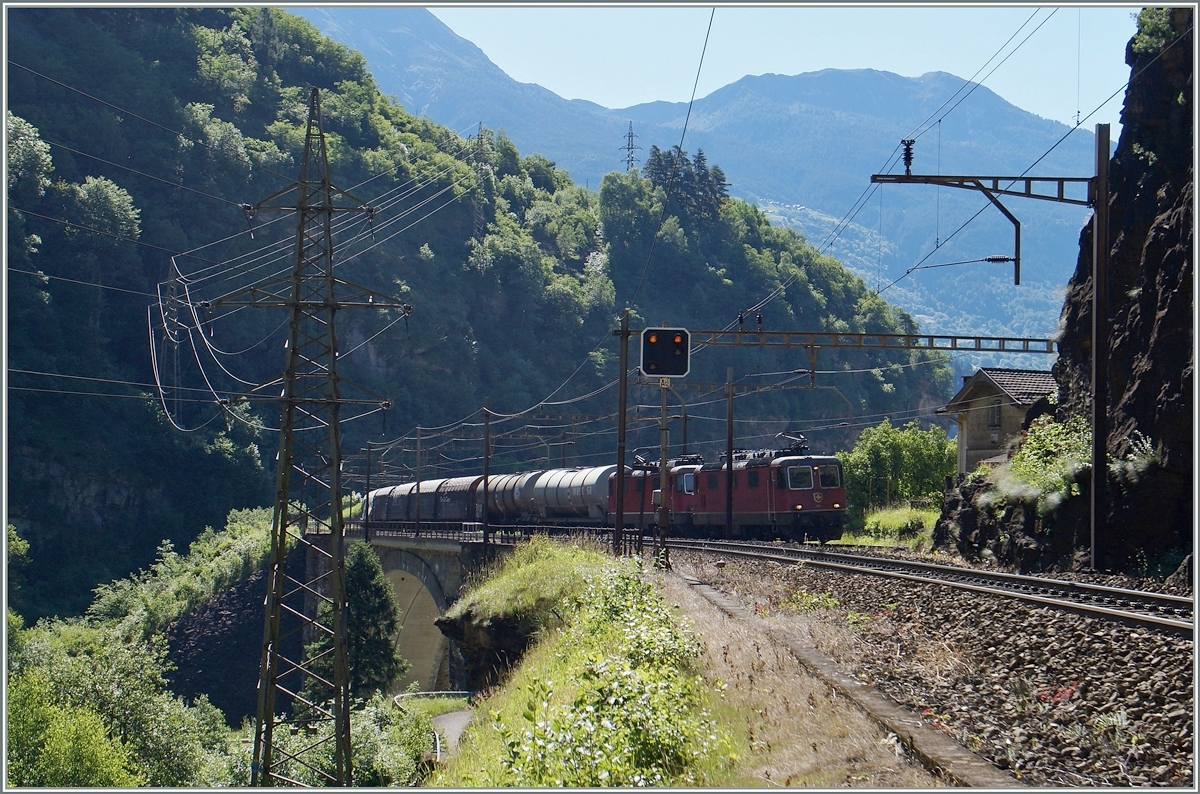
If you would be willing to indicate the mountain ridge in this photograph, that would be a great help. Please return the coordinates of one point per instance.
(810, 140)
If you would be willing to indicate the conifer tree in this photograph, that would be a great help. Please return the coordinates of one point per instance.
(372, 629)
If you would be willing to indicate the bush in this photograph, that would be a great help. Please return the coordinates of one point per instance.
(386, 748)
(1154, 30)
(894, 525)
(149, 601)
(1051, 453)
(890, 465)
(124, 684)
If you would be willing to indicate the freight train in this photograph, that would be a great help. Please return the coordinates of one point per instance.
(783, 494)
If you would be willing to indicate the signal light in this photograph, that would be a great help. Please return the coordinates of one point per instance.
(666, 352)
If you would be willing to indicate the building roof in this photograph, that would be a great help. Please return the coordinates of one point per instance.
(1022, 386)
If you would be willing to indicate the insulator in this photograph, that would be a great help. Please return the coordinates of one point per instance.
(908, 155)
(998, 258)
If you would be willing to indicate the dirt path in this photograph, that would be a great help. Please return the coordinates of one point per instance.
(799, 731)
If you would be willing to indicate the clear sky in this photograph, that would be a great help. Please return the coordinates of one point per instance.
(622, 56)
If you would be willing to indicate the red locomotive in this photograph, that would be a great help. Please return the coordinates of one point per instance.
(776, 494)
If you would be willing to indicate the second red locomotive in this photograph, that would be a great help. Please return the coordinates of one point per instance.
(776, 494)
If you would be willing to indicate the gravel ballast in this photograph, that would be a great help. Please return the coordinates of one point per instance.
(1052, 697)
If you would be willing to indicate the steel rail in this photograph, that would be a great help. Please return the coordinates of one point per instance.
(1084, 589)
(822, 560)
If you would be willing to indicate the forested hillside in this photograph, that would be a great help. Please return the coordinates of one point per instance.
(134, 138)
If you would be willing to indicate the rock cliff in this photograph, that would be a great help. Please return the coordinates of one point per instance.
(1150, 367)
(1150, 328)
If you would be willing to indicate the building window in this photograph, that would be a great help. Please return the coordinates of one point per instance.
(993, 413)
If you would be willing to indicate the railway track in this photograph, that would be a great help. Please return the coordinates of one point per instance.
(1131, 606)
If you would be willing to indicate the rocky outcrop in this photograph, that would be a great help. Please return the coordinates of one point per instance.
(490, 644)
(217, 647)
(1151, 303)
(979, 526)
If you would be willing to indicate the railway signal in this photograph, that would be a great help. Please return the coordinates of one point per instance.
(665, 352)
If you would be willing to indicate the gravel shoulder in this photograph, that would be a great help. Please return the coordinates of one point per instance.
(1053, 698)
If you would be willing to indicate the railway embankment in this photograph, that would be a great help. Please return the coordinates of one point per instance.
(1050, 697)
(631, 677)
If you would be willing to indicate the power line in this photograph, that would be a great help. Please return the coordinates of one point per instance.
(103, 380)
(131, 113)
(102, 394)
(671, 181)
(143, 173)
(77, 281)
(1045, 154)
(918, 131)
(859, 203)
(93, 231)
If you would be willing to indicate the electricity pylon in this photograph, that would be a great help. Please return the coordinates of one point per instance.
(629, 147)
(309, 464)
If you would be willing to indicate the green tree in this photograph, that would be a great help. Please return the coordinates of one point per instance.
(84, 667)
(16, 552)
(60, 746)
(29, 163)
(890, 464)
(372, 629)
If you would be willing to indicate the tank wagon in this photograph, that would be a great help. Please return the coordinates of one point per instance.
(776, 494)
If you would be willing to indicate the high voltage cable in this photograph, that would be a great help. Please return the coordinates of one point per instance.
(214, 352)
(859, 203)
(661, 218)
(77, 281)
(671, 181)
(279, 248)
(142, 173)
(191, 341)
(134, 115)
(278, 251)
(763, 303)
(341, 224)
(190, 252)
(917, 131)
(197, 322)
(93, 231)
(100, 380)
(105, 394)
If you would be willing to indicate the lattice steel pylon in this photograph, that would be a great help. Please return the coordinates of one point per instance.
(629, 147)
(479, 199)
(309, 463)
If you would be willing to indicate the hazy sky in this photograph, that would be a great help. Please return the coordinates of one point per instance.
(621, 56)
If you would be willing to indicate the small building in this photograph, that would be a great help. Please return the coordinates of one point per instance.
(990, 409)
